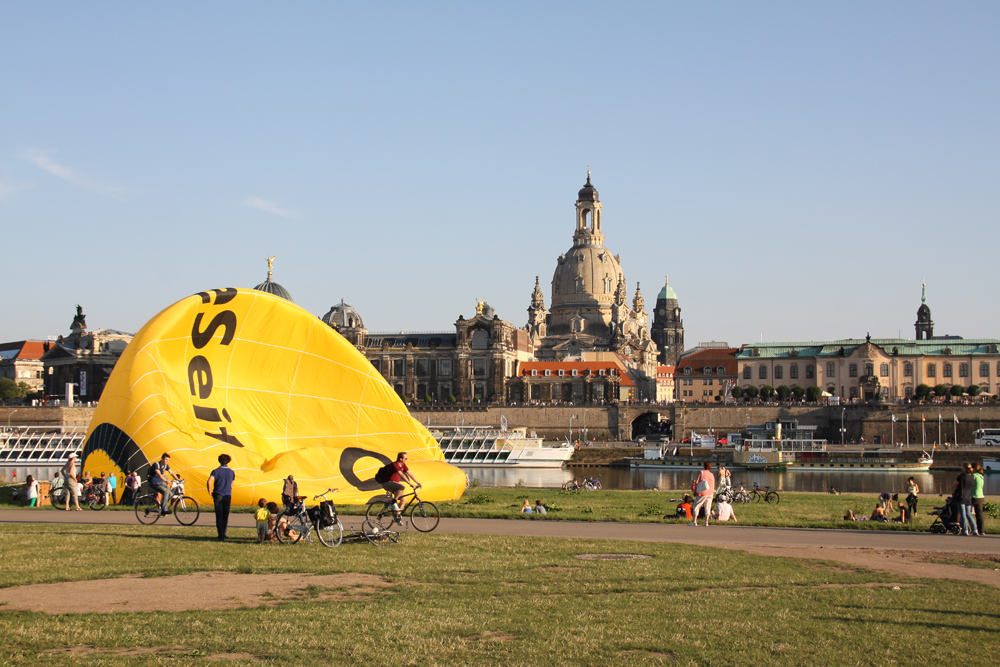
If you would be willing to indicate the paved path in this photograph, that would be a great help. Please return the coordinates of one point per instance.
(729, 536)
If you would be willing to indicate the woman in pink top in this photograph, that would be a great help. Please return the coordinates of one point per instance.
(704, 490)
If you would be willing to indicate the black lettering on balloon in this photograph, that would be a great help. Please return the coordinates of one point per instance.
(200, 368)
(226, 318)
(206, 414)
(224, 437)
(221, 295)
(352, 455)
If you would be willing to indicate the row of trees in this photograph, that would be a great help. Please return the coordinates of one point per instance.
(923, 392)
(11, 390)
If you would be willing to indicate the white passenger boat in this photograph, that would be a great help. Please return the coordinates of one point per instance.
(488, 447)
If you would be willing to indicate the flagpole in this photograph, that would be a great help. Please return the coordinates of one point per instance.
(939, 427)
(954, 427)
(907, 429)
(923, 431)
(892, 431)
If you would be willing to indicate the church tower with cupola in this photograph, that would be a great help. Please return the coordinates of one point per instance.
(924, 324)
(668, 327)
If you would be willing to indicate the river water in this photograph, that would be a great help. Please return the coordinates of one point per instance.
(817, 481)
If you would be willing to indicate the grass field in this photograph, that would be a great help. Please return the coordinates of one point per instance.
(475, 600)
(800, 510)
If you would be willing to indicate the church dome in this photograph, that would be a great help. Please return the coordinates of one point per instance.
(343, 316)
(923, 313)
(588, 192)
(274, 288)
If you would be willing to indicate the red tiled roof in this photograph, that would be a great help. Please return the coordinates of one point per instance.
(568, 367)
(27, 349)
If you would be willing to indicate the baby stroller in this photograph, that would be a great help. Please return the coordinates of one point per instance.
(947, 518)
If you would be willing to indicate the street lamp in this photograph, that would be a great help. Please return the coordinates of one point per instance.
(11, 413)
(585, 425)
(571, 418)
(843, 411)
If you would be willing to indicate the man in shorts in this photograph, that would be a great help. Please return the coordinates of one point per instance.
(394, 486)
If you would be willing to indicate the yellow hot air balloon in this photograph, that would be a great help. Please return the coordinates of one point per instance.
(249, 374)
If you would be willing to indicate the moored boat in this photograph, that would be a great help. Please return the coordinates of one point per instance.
(481, 446)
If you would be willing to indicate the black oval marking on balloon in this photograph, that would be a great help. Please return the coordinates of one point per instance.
(352, 455)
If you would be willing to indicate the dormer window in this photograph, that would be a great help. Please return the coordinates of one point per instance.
(534, 373)
(574, 373)
(721, 370)
(548, 373)
(707, 370)
(687, 370)
(561, 372)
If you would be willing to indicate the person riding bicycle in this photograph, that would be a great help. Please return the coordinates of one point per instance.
(391, 476)
(158, 481)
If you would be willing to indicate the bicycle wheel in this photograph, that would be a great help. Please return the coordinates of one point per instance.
(58, 497)
(744, 497)
(186, 510)
(147, 510)
(424, 516)
(332, 535)
(376, 533)
(98, 502)
(289, 528)
(772, 496)
(378, 510)
(568, 486)
(756, 495)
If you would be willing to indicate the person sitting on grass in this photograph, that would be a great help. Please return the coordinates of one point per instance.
(540, 508)
(724, 512)
(850, 516)
(526, 507)
(262, 516)
(878, 514)
(272, 520)
(684, 508)
(904, 514)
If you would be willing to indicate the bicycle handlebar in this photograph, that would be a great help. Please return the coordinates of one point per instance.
(323, 495)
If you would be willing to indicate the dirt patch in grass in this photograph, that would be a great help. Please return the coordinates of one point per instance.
(491, 637)
(909, 563)
(204, 590)
(158, 651)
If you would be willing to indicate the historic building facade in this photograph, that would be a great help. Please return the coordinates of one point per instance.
(706, 375)
(589, 313)
(668, 327)
(472, 363)
(21, 361)
(573, 382)
(84, 359)
(885, 369)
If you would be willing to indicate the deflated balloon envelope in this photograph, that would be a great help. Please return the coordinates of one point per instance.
(249, 374)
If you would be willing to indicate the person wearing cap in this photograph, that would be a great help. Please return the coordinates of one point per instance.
(69, 483)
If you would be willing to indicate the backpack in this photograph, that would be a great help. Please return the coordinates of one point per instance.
(385, 473)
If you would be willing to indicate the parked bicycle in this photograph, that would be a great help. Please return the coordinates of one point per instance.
(765, 494)
(91, 497)
(584, 484)
(296, 522)
(734, 494)
(184, 508)
(423, 515)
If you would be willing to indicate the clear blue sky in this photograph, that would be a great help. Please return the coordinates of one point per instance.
(796, 168)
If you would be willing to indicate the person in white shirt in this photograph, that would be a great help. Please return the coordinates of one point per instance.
(724, 512)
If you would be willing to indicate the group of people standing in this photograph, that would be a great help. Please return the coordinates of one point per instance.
(969, 498)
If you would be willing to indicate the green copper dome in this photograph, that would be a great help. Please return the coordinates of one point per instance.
(667, 292)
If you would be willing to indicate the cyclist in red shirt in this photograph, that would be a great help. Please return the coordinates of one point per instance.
(400, 471)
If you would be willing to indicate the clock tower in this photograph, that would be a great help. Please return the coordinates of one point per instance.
(668, 327)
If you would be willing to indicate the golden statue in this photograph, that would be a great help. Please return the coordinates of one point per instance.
(479, 306)
(270, 265)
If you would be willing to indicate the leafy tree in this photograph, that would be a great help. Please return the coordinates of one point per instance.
(766, 392)
(813, 394)
(783, 392)
(798, 391)
(956, 390)
(452, 399)
(718, 398)
(751, 392)
(973, 390)
(428, 399)
(9, 389)
(922, 392)
(941, 390)
(738, 392)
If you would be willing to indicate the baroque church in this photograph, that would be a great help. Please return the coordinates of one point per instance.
(590, 317)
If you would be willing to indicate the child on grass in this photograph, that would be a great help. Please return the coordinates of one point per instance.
(262, 515)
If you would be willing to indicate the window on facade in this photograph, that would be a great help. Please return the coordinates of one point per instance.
(579, 285)
(793, 371)
(963, 370)
(445, 390)
(884, 370)
(599, 392)
(869, 369)
(480, 340)
(779, 372)
(479, 368)
(377, 364)
(909, 392)
(810, 372)
(984, 370)
(398, 368)
(574, 373)
(908, 369)
(444, 367)
(548, 373)
(931, 370)
(423, 368)
(687, 370)
(747, 373)
(707, 370)
(947, 370)
(721, 370)
(561, 372)
(853, 370)
(534, 372)
(830, 369)
(762, 372)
